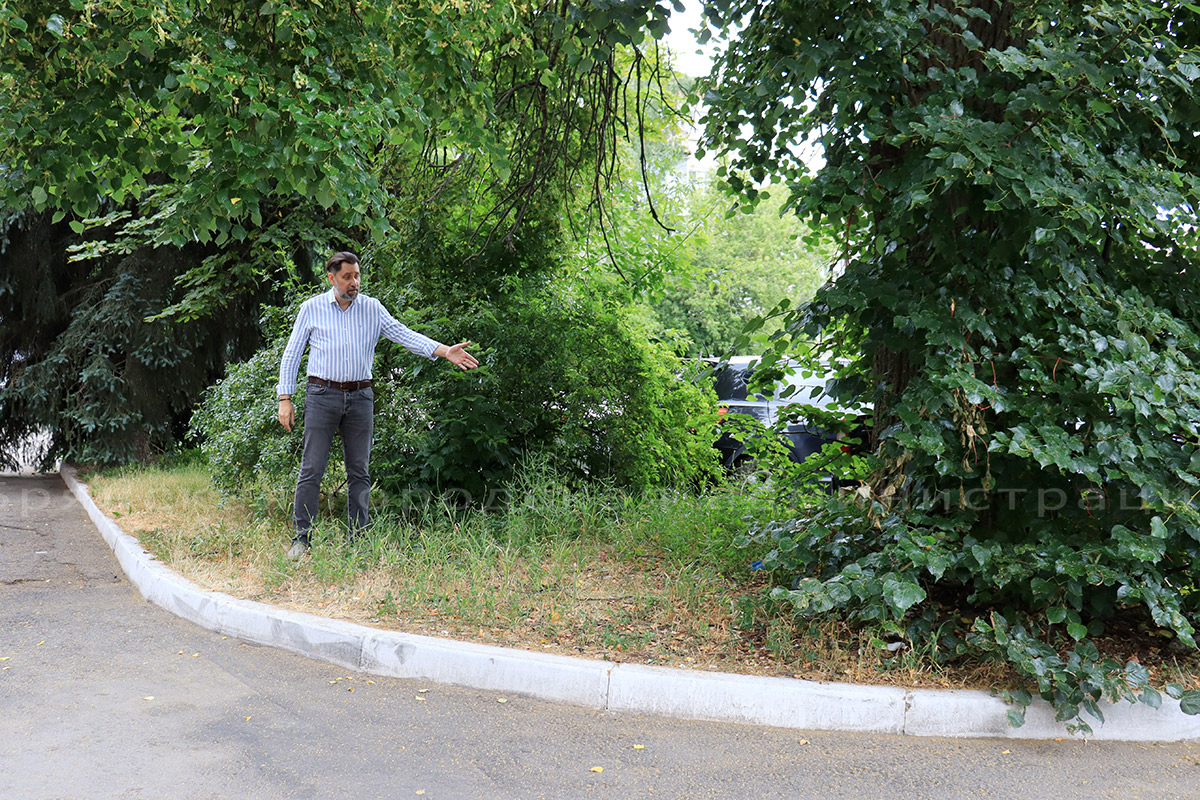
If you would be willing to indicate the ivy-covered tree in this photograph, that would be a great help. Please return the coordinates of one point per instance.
(1014, 187)
(225, 143)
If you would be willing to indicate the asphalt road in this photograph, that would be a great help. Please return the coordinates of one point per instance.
(103, 695)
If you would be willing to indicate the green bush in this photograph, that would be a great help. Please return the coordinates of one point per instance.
(250, 453)
(1031, 532)
(564, 375)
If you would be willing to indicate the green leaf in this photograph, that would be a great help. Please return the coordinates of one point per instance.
(1136, 674)
(902, 596)
(1077, 630)
(1189, 702)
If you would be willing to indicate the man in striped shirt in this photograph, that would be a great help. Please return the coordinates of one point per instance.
(341, 328)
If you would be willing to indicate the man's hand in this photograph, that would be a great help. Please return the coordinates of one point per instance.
(457, 354)
(287, 414)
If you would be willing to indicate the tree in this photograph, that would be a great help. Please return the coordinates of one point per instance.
(228, 143)
(1015, 191)
(83, 371)
(742, 265)
(701, 264)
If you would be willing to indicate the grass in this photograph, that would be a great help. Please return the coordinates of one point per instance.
(595, 573)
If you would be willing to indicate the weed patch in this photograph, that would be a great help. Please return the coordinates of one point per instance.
(653, 578)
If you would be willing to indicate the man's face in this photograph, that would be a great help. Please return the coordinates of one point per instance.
(345, 281)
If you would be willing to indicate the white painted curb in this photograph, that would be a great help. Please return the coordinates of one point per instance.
(779, 702)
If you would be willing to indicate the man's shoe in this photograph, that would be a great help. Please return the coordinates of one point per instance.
(299, 548)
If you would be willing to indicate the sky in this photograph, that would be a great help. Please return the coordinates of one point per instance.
(683, 44)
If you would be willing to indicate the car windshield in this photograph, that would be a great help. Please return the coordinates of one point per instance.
(733, 382)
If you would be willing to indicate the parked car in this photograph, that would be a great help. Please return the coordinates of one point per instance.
(802, 437)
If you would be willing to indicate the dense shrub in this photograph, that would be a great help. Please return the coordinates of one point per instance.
(250, 453)
(563, 375)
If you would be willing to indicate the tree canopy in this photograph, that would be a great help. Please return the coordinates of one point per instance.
(220, 146)
(195, 122)
(1013, 188)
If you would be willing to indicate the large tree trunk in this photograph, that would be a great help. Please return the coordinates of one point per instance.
(893, 364)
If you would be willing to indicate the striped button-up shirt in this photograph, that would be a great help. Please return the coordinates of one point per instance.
(342, 343)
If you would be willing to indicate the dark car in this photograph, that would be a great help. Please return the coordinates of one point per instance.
(802, 438)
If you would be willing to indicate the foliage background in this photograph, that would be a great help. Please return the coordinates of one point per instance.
(567, 377)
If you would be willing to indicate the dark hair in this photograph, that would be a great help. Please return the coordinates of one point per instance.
(334, 264)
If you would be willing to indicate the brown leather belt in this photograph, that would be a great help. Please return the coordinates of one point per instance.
(348, 386)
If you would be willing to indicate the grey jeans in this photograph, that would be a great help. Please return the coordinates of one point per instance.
(328, 411)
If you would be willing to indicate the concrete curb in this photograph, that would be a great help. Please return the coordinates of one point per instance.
(779, 702)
